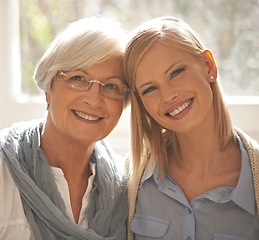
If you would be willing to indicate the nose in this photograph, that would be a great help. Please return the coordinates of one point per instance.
(168, 92)
(93, 96)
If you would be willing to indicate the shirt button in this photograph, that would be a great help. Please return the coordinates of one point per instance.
(190, 212)
(188, 238)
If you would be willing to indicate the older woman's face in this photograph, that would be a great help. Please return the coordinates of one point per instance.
(85, 116)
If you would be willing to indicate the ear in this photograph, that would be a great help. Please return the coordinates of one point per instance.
(211, 67)
(47, 96)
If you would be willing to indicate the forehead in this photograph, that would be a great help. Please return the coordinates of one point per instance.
(158, 59)
(110, 67)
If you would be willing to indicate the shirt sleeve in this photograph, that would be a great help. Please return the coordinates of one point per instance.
(13, 221)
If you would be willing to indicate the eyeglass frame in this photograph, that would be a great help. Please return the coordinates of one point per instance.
(126, 88)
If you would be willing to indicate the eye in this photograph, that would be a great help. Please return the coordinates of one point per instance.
(114, 86)
(111, 86)
(177, 72)
(148, 90)
(77, 78)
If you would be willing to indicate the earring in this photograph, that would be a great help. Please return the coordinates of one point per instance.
(211, 77)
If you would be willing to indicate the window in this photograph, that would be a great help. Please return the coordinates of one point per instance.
(228, 27)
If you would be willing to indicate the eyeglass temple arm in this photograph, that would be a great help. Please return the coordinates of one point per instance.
(62, 73)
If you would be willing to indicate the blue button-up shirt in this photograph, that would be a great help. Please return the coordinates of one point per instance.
(163, 212)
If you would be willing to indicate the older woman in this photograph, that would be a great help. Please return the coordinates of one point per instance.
(59, 179)
(194, 175)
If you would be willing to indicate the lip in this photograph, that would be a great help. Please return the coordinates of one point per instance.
(89, 117)
(179, 109)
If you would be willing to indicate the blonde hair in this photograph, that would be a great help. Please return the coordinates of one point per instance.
(83, 44)
(147, 136)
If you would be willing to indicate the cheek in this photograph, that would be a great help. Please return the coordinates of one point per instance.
(205, 86)
(56, 111)
(59, 108)
(151, 107)
(115, 109)
(59, 105)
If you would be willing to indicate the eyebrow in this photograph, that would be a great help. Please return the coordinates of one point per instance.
(166, 72)
(111, 77)
(145, 84)
(172, 66)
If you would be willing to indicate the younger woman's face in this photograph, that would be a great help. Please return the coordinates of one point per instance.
(174, 87)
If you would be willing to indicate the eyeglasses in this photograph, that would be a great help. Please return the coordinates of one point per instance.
(110, 88)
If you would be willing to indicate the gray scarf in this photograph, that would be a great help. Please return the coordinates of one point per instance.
(42, 203)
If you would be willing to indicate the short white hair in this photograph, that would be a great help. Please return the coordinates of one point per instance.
(83, 44)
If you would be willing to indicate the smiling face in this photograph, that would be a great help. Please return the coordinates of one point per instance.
(174, 87)
(84, 116)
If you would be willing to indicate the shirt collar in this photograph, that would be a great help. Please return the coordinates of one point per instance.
(148, 172)
(243, 194)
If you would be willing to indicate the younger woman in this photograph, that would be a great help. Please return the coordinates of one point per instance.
(195, 176)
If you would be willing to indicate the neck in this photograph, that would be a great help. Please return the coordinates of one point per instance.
(199, 153)
(201, 150)
(69, 155)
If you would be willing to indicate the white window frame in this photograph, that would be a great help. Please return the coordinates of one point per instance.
(17, 107)
(14, 106)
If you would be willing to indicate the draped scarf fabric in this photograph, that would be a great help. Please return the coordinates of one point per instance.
(42, 203)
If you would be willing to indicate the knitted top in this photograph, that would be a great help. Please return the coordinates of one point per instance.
(252, 148)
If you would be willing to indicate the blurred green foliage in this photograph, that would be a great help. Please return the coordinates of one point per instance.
(228, 27)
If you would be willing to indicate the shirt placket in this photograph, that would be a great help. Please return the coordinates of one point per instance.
(173, 191)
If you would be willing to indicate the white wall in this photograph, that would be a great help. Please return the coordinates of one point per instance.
(244, 112)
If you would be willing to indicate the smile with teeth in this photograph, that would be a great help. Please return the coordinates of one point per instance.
(85, 116)
(180, 109)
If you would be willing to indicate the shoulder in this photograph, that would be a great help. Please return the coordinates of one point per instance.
(252, 148)
(251, 145)
(10, 196)
(19, 128)
(13, 221)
